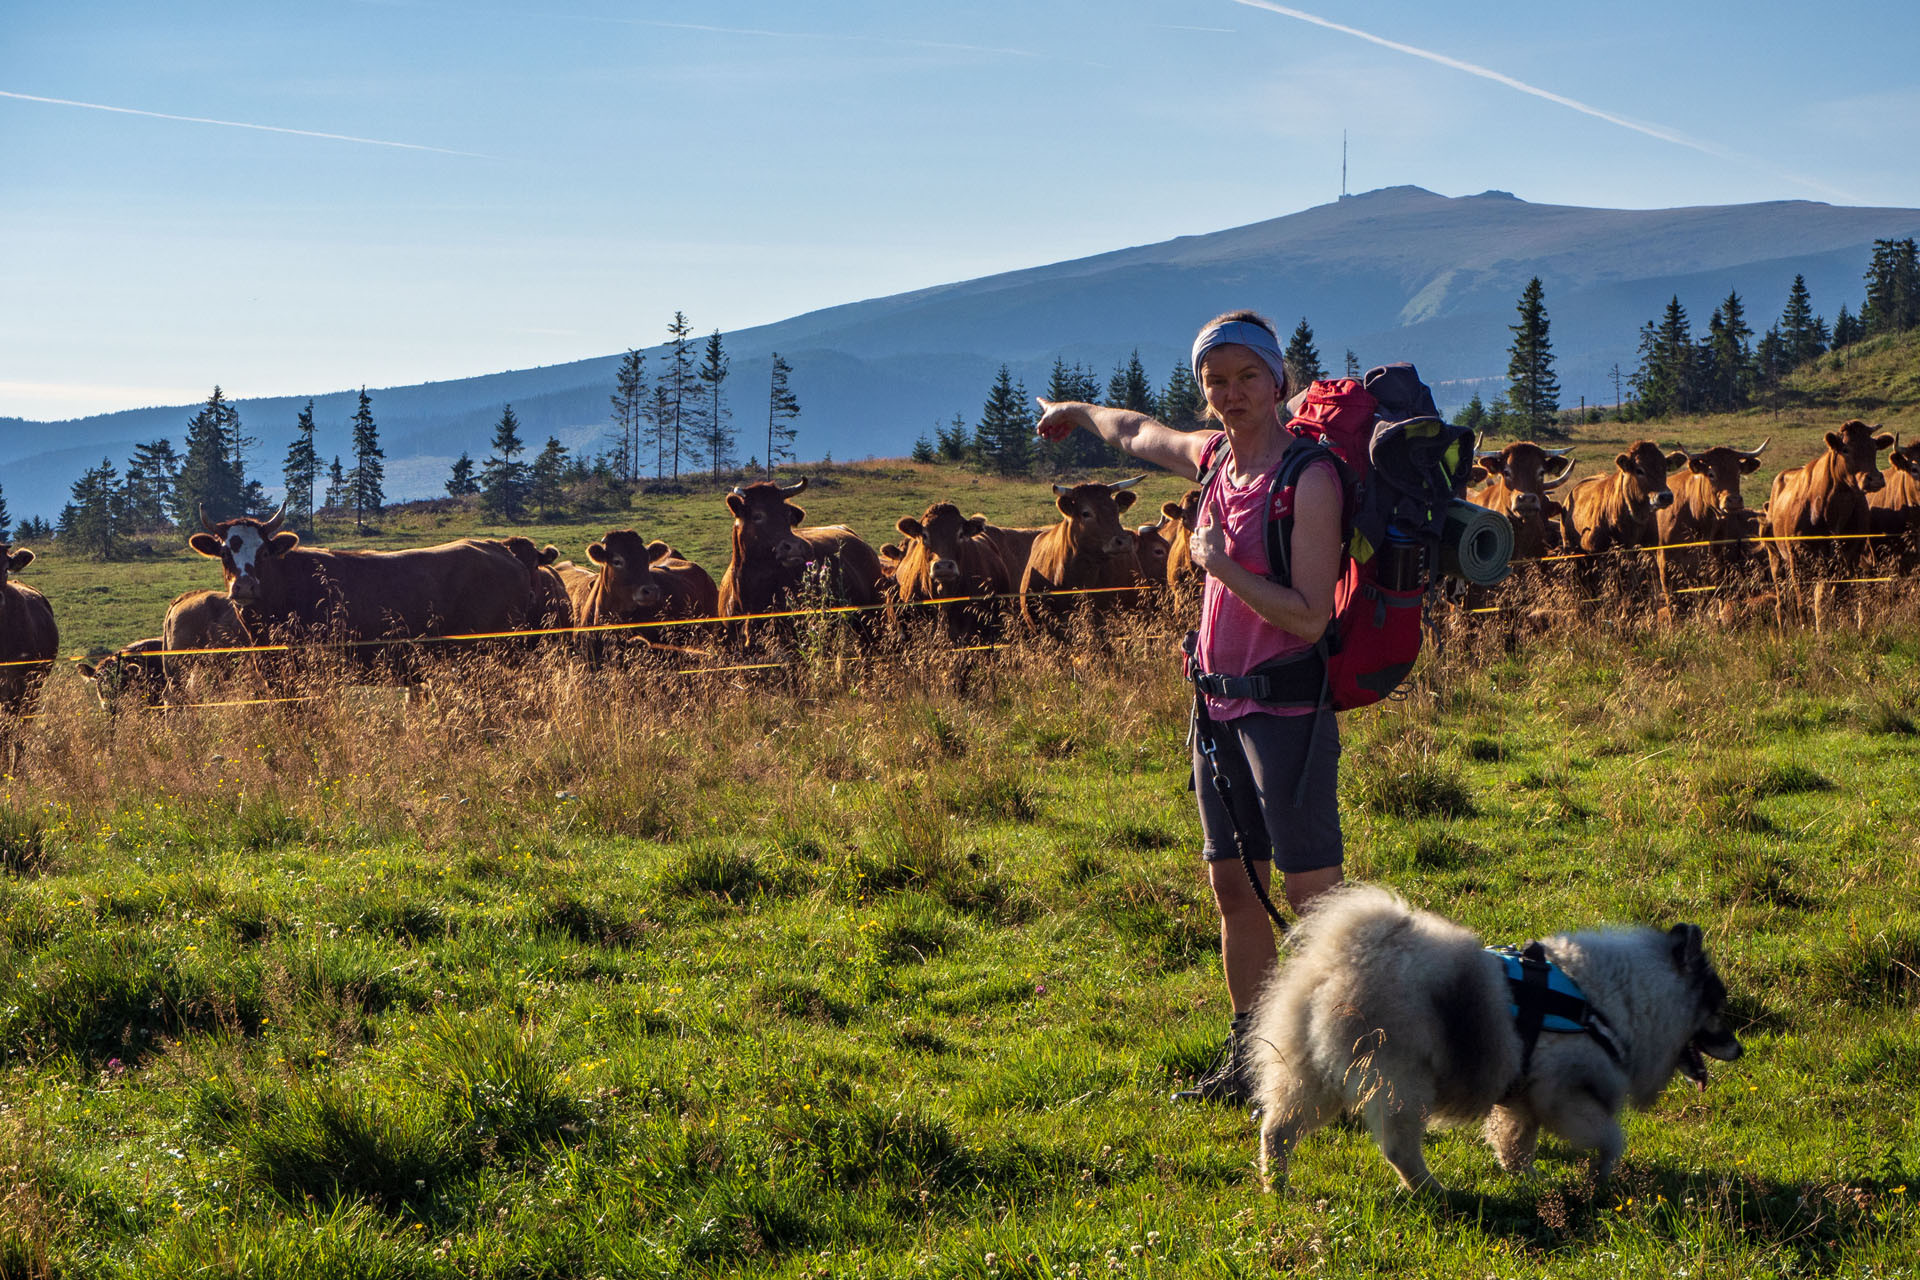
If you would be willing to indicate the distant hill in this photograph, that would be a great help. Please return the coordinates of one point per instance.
(1400, 273)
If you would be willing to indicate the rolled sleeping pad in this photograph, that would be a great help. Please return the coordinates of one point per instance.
(1475, 544)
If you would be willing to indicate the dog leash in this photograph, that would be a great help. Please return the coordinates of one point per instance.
(1205, 735)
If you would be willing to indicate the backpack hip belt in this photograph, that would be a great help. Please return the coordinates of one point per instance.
(1296, 682)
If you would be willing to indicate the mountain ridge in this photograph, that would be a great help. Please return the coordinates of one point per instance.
(1396, 273)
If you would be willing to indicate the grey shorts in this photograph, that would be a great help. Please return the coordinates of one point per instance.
(1264, 756)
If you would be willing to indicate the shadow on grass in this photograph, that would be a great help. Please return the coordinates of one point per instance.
(1721, 1210)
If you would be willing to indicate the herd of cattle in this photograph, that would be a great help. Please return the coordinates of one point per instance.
(1688, 507)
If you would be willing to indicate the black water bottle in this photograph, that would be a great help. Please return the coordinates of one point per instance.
(1403, 561)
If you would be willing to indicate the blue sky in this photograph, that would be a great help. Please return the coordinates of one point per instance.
(432, 190)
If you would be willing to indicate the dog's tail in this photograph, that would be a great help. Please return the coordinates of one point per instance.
(1349, 915)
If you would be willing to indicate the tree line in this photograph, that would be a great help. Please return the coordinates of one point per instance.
(678, 426)
(681, 424)
(163, 489)
(1720, 371)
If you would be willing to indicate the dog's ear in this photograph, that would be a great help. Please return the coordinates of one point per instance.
(1686, 940)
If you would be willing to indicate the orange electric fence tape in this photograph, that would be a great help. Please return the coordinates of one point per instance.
(622, 626)
(830, 610)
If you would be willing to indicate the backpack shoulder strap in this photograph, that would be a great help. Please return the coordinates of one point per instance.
(1301, 454)
(1214, 459)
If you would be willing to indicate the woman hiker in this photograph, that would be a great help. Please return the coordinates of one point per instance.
(1249, 620)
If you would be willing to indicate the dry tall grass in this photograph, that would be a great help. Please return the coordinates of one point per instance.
(483, 750)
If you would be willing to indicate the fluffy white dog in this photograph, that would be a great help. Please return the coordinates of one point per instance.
(1406, 1018)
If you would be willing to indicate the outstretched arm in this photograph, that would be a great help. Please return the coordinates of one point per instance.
(1130, 432)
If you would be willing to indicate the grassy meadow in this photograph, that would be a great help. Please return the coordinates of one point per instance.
(885, 964)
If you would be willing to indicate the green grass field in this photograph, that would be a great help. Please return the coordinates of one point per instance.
(885, 965)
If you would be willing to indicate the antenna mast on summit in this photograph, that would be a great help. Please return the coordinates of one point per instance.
(1343, 164)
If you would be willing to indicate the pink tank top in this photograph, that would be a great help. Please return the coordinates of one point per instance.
(1233, 638)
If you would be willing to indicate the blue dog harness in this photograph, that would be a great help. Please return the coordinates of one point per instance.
(1544, 998)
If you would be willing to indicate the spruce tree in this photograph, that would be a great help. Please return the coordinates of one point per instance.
(301, 471)
(460, 481)
(657, 427)
(782, 408)
(336, 485)
(1473, 416)
(503, 479)
(679, 384)
(1532, 391)
(954, 440)
(1846, 329)
(1353, 364)
(94, 523)
(1004, 435)
(366, 482)
(1303, 361)
(1183, 406)
(718, 441)
(1893, 288)
(6, 521)
(629, 410)
(1770, 360)
(1667, 380)
(1800, 336)
(210, 475)
(152, 474)
(1131, 388)
(1726, 358)
(545, 476)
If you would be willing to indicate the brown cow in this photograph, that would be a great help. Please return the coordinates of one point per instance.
(1618, 508)
(134, 670)
(29, 640)
(1707, 507)
(1824, 497)
(1089, 547)
(1521, 479)
(946, 556)
(1152, 545)
(772, 552)
(639, 581)
(473, 585)
(1013, 544)
(1894, 510)
(144, 670)
(548, 604)
(1182, 573)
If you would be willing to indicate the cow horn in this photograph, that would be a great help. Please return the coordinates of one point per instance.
(1061, 491)
(1754, 453)
(205, 523)
(272, 523)
(1486, 455)
(1558, 453)
(1548, 486)
(737, 491)
(788, 490)
(1125, 484)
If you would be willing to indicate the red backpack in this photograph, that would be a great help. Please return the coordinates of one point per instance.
(1370, 644)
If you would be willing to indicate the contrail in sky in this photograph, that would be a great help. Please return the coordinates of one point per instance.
(239, 124)
(1572, 104)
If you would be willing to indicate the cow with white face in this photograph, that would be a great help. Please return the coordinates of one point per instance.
(475, 585)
